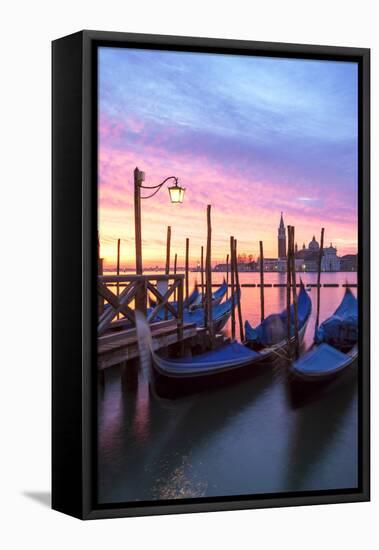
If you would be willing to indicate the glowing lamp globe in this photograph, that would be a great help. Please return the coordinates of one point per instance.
(176, 193)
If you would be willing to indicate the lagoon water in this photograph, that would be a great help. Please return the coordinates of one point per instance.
(244, 438)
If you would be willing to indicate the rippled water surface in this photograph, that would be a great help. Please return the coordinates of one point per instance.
(244, 438)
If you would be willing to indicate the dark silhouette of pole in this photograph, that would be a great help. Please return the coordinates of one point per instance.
(187, 268)
(137, 219)
(208, 267)
(227, 276)
(320, 254)
(294, 294)
(118, 269)
(168, 245)
(289, 284)
(238, 289)
(232, 293)
(202, 273)
(175, 270)
(100, 262)
(262, 281)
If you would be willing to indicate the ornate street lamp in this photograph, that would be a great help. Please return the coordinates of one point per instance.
(176, 193)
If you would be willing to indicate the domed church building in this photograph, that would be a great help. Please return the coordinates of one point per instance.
(313, 245)
(306, 258)
(330, 261)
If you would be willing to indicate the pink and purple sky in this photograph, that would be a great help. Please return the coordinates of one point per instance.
(252, 136)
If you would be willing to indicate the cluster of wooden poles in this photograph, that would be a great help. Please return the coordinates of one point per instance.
(206, 281)
(232, 269)
(291, 283)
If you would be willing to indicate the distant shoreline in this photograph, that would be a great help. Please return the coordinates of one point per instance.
(182, 270)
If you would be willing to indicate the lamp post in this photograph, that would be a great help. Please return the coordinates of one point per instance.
(176, 193)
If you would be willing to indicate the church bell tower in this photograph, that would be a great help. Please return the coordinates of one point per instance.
(281, 239)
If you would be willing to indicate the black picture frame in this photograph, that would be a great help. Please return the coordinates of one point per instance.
(74, 206)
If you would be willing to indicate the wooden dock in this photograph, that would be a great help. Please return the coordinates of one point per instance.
(119, 346)
(117, 334)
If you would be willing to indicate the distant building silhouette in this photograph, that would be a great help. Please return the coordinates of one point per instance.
(306, 259)
(349, 262)
(282, 248)
(330, 261)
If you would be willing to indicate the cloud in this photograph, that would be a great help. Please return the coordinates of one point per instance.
(251, 136)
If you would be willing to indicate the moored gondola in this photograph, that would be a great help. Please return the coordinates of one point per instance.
(230, 360)
(195, 299)
(273, 328)
(217, 297)
(220, 314)
(333, 355)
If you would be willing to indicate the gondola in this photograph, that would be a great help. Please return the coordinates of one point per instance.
(273, 328)
(334, 352)
(196, 299)
(220, 364)
(220, 314)
(217, 296)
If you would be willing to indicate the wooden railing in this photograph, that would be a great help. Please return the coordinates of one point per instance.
(135, 289)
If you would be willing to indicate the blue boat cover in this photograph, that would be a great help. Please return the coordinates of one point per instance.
(322, 359)
(197, 316)
(195, 298)
(273, 329)
(227, 353)
(217, 296)
(341, 329)
(220, 292)
(228, 357)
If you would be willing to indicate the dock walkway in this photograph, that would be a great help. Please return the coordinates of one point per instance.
(119, 346)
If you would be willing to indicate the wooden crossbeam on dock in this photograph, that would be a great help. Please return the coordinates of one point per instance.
(117, 347)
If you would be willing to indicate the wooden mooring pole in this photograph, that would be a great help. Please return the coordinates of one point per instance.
(180, 314)
(100, 298)
(262, 281)
(175, 270)
(227, 276)
(100, 264)
(232, 293)
(320, 254)
(238, 289)
(289, 284)
(138, 177)
(202, 272)
(141, 296)
(168, 246)
(99, 260)
(294, 293)
(187, 268)
(118, 270)
(167, 267)
(208, 267)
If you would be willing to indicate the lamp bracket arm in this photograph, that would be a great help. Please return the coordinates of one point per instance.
(157, 187)
(159, 184)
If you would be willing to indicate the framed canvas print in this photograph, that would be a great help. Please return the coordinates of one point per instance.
(210, 274)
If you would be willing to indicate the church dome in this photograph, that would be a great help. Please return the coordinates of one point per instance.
(313, 245)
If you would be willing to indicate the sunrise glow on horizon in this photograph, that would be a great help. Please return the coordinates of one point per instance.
(252, 136)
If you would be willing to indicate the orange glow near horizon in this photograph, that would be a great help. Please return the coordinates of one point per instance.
(235, 212)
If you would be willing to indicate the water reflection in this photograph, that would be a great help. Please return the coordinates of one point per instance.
(318, 428)
(244, 438)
